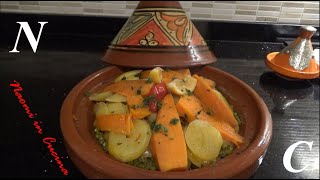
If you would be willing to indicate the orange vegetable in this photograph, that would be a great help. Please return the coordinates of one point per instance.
(209, 82)
(119, 123)
(226, 131)
(169, 148)
(211, 99)
(188, 107)
(137, 110)
(192, 107)
(183, 71)
(130, 88)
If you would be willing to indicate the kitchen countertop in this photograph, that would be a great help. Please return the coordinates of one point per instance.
(49, 75)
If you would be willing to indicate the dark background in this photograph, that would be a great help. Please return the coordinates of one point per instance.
(71, 48)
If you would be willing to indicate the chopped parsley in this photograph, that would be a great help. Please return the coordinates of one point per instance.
(87, 93)
(159, 105)
(189, 92)
(135, 106)
(149, 80)
(235, 114)
(174, 121)
(139, 90)
(158, 127)
(147, 100)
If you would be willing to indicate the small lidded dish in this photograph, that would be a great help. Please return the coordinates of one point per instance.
(296, 61)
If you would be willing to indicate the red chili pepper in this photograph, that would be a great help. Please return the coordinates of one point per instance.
(153, 106)
(159, 91)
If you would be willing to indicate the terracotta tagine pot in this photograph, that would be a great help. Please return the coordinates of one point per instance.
(159, 34)
(296, 61)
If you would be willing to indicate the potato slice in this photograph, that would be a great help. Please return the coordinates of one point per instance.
(197, 161)
(128, 74)
(156, 74)
(203, 140)
(182, 86)
(117, 98)
(132, 78)
(130, 148)
(100, 96)
(100, 108)
(117, 108)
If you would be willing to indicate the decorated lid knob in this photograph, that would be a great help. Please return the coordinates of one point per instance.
(159, 33)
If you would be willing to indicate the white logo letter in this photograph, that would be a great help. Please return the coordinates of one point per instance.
(288, 154)
(32, 40)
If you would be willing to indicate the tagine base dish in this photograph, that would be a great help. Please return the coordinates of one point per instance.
(76, 121)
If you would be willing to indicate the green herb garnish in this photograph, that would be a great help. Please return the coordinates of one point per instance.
(135, 106)
(189, 92)
(139, 90)
(149, 80)
(159, 105)
(147, 100)
(87, 93)
(174, 121)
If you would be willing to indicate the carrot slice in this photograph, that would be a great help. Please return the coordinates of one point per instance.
(191, 107)
(130, 88)
(211, 99)
(169, 148)
(136, 107)
(119, 123)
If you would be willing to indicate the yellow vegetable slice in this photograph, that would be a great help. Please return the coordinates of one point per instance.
(156, 74)
(117, 108)
(100, 96)
(117, 98)
(132, 78)
(128, 74)
(124, 148)
(182, 86)
(197, 161)
(100, 108)
(203, 140)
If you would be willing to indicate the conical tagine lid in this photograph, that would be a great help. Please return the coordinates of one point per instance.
(159, 33)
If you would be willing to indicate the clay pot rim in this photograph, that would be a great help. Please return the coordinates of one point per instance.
(253, 152)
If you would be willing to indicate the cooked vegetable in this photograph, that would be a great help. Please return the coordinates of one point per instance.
(189, 107)
(116, 98)
(226, 149)
(127, 75)
(168, 75)
(119, 123)
(165, 120)
(227, 132)
(127, 148)
(100, 96)
(132, 78)
(211, 99)
(130, 88)
(182, 86)
(101, 108)
(117, 108)
(183, 71)
(156, 74)
(137, 109)
(169, 148)
(203, 140)
(196, 160)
